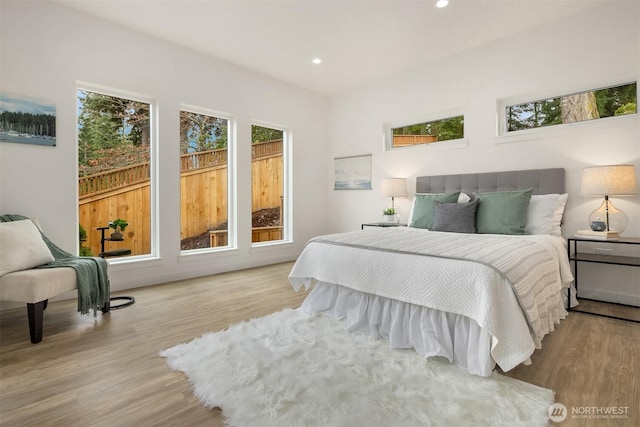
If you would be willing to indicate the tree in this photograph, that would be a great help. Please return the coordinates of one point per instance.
(630, 108)
(263, 134)
(611, 99)
(199, 132)
(579, 107)
(110, 129)
(446, 129)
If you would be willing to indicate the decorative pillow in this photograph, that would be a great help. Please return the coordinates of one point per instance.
(21, 247)
(502, 212)
(455, 217)
(544, 215)
(422, 215)
(462, 198)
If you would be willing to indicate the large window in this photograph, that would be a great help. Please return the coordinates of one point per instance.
(268, 184)
(204, 180)
(428, 132)
(114, 173)
(588, 105)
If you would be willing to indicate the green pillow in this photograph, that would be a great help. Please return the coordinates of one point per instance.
(502, 212)
(423, 209)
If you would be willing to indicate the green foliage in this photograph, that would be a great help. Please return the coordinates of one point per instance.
(534, 114)
(118, 224)
(389, 211)
(109, 122)
(82, 236)
(612, 101)
(445, 129)
(263, 134)
(629, 108)
(82, 233)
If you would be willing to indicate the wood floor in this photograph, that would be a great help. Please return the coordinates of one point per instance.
(106, 371)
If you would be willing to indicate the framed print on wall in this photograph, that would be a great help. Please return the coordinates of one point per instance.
(353, 173)
(25, 120)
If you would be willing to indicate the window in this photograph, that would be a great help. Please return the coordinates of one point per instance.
(114, 173)
(268, 198)
(428, 132)
(589, 105)
(204, 180)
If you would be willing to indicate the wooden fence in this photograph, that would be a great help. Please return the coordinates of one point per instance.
(405, 140)
(203, 197)
(132, 203)
(91, 185)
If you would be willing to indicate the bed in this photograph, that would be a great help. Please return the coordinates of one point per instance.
(478, 297)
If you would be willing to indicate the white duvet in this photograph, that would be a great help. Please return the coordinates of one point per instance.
(463, 287)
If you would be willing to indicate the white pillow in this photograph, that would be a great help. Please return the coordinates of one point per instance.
(21, 247)
(544, 214)
(462, 198)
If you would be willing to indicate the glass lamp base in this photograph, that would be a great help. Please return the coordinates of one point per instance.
(613, 218)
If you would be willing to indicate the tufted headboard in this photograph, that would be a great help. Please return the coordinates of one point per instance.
(542, 181)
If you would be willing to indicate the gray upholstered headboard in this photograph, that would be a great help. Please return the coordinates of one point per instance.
(542, 181)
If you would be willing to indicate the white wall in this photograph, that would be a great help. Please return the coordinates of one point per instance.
(46, 48)
(588, 51)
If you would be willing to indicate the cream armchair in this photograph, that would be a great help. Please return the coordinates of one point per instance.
(22, 248)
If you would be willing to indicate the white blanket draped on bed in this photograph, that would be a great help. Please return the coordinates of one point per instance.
(526, 275)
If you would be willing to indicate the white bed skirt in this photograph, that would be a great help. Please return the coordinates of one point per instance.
(430, 332)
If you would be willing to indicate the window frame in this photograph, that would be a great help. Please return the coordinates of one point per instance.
(450, 144)
(503, 135)
(287, 191)
(232, 232)
(154, 246)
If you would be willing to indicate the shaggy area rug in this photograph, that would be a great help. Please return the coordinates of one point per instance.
(292, 369)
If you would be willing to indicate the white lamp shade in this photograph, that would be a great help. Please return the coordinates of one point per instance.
(394, 187)
(616, 180)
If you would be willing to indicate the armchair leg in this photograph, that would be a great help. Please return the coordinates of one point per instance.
(35, 313)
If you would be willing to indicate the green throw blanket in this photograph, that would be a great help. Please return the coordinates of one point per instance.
(91, 273)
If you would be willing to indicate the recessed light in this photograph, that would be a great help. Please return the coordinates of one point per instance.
(442, 3)
(317, 61)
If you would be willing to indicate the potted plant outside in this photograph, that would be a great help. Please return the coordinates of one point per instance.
(118, 226)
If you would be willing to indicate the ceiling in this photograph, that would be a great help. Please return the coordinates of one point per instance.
(358, 41)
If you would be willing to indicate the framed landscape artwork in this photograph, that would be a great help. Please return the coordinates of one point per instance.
(25, 120)
(353, 173)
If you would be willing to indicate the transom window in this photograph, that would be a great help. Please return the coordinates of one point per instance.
(428, 132)
(577, 107)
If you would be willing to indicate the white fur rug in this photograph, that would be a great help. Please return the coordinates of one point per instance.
(292, 369)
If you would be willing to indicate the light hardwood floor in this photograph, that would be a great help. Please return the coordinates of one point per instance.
(106, 371)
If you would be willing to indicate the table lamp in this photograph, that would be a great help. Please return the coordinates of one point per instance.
(614, 180)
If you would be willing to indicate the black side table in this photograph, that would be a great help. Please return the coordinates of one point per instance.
(578, 257)
(118, 252)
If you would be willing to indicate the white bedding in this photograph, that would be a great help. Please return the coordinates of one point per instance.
(462, 287)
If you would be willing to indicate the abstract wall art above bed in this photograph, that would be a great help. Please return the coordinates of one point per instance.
(353, 173)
